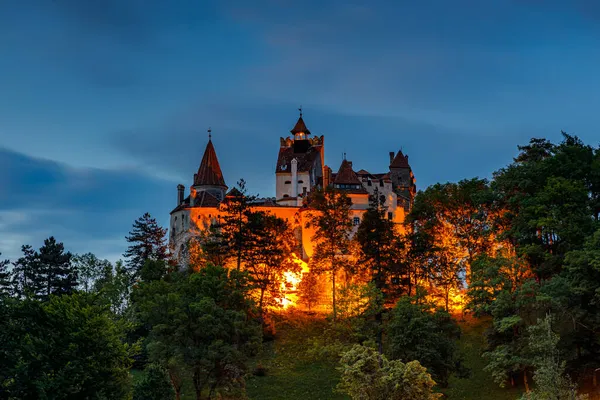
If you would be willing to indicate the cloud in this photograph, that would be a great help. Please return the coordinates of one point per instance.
(87, 209)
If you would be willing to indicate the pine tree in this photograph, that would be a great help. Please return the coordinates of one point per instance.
(54, 266)
(147, 240)
(45, 272)
(5, 279)
(330, 218)
(26, 279)
(231, 238)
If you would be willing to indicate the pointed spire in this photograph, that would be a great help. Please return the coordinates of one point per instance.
(300, 127)
(400, 161)
(209, 173)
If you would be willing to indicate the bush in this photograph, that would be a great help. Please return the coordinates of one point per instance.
(154, 385)
(368, 375)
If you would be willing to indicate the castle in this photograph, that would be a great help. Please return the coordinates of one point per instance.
(300, 169)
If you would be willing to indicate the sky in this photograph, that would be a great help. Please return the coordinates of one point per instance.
(105, 105)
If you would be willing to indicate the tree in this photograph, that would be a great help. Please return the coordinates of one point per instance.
(89, 269)
(309, 291)
(45, 272)
(378, 243)
(203, 319)
(379, 252)
(417, 332)
(270, 255)
(549, 377)
(147, 240)
(231, 237)
(114, 287)
(66, 347)
(329, 215)
(154, 385)
(368, 375)
(6, 288)
(26, 281)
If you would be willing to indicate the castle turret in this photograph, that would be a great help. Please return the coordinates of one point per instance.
(209, 177)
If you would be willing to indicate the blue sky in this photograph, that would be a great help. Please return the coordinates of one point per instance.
(104, 105)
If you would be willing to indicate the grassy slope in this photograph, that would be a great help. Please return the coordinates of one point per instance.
(291, 373)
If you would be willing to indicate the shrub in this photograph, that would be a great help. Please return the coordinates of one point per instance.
(154, 385)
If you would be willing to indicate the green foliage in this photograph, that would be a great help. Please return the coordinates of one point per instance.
(550, 378)
(45, 272)
(368, 375)
(67, 347)
(201, 320)
(330, 219)
(379, 246)
(89, 270)
(231, 238)
(153, 270)
(6, 287)
(147, 240)
(154, 385)
(417, 332)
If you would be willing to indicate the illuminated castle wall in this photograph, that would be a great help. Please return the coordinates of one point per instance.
(300, 169)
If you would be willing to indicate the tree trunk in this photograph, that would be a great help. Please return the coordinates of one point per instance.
(197, 385)
(333, 294)
(176, 385)
(260, 304)
(525, 381)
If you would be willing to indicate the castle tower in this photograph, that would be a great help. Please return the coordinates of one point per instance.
(403, 180)
(299, 165)
(209, 178)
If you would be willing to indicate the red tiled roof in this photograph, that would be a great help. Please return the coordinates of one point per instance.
(400, 161)
(205, 199)
(346, 176)
(300, 127)
(306, 160)
(209, 173)
(363, 172)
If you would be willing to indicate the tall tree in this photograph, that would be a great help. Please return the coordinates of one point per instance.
(45, 272)
(270, 255)
(89, 269)
(329, 216)
(26, 281)
(55, 266)
(203, 320)
(231, 238)
(309, 292)
(147, 240)
(6, 288)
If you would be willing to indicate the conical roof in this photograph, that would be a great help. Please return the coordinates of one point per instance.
(209, 173)
(400, 161)
(300, 127)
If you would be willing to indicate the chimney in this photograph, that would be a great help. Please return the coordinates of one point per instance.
(391, 156)
(294, 177)
(180, 190)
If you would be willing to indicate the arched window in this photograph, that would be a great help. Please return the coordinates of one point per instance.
(288, 182)
(286, 195)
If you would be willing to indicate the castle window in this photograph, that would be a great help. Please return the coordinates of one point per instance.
(369, 182)
(381, 182)
(356, 221)
(288, 182)
(286, 195)
(300, 181)
(390, 216)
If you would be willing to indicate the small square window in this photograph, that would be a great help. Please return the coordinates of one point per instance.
(356, 221)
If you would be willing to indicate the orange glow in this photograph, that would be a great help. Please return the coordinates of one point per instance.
(289, 286)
